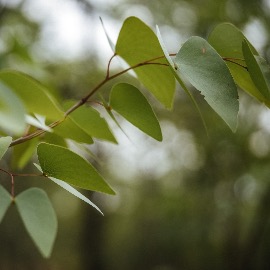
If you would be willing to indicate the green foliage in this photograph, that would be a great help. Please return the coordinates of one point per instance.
(129, 102)
(61, 163)
(37, 123)
(207, 71)
(38, 217)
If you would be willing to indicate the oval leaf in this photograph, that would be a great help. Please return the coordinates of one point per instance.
(207, 72)
(258, 69)
(35, 96)
(39, 218)
(129, 102)
(12, 112)
(4, 144)
(63, 164)
(136, 44)
(227, 41)
(5, 201)
(70, 189)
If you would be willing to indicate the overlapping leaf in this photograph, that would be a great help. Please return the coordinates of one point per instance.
(39, 218)
(207, 72)
(227, 41)
(4, 144)
(35, 96)
(5, 201)
(63, 164)
(12, 111)
(89, 120)
(258, 69)
(136, 44)
(129, 102)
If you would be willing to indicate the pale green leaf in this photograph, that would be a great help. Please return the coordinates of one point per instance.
(129, 102)
(39, 218)
(112, 45)
(35, 96)
(5, 202)
(12, 111)
(89, 119)
(258, 69)
(4, 145)
(227, 41)
(63, 164)
(70, 189)
(136, 44)
(207, 72)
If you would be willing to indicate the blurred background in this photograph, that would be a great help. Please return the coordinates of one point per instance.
(189, 202)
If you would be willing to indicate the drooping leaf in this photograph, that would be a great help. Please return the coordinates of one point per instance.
(35, 96)
(63, 164)
(5, 201)
(88, 119)
(4, 144)
(207, 72)
(38, 217)
(227, 41)
(12, 112)
(70, 189)
(258, 69)
(112, 45)
(38, 121)
(136, 44)
(177, 75)
(129, 102)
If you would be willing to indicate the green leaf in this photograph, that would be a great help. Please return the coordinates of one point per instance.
(70, 189)
(227, 41)
(258, 69)
(207, 72)
(63, 164)
(4, 145)
(35, 96)
(38, 217)
(12, 112)
(129, 102)
(69, 129)
(88, 119)
(107, 36)
(136, 44)
(5, 202)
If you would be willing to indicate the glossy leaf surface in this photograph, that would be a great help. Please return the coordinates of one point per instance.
(129, 102)
(61, 163)
(38, 217)
(5, 201)
(207, 72)
(137, 43)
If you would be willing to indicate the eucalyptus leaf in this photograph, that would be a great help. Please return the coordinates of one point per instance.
(34, 95)
(207, 72)
(38, 217)
(61, 163)
(4, 145)
(129, 102)
(136, 44)
(70, 189)
(227, 41)
(258, 69)
(12, 111)
(5, 202)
